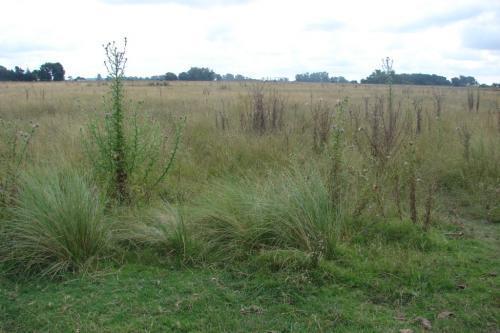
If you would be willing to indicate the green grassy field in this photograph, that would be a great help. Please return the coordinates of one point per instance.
(374, 289)
(289, 208)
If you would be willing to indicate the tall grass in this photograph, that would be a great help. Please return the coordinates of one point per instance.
(57, 225)
(14, 149)
(368, 170)
(164, 229)
(288, 210)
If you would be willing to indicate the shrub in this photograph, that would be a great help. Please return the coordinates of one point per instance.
(57, 225)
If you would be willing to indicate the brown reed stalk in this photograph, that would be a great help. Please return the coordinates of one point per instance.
(428, 205)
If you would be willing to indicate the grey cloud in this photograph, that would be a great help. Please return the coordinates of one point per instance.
(463, 55)
(482, 37)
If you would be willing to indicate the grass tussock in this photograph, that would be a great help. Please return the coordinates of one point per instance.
(289, 210)
(57, 224)
(163, 230)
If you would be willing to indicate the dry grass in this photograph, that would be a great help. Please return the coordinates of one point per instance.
(295, 117)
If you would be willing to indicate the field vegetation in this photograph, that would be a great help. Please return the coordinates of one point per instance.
(248, 207)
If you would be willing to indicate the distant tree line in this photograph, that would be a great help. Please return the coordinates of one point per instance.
(232, 77)
(321, 77)
(54, 71)
(200, 74)
(50, 71)
(463, 81)
(381, 77)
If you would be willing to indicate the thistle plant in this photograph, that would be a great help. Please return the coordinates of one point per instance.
(465, 136)
(266, 111)
(438, 102)
(336, 151)
(385, 127)
(470, 99)
(428, 205)
(417, 106)
(477, 99)
(128, 152)
(322, 124)
(412, 183)
(115, 65)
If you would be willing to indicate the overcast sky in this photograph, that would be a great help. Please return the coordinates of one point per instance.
(257, 38)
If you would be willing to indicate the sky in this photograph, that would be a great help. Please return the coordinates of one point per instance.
(257, 38)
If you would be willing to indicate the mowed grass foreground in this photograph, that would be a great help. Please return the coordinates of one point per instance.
(290, 208)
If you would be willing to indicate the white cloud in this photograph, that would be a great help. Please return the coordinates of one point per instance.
(257, 38)
(207, 3)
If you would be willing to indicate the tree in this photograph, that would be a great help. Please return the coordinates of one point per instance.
(18, 74)
(29, 76)
(313, 77)
(58, 72)
(463, 81)
(339, 79)
(36, 75)
(4, 74)
(382, 77)
(228, 77)
(45, 73)
(376, 77)
(200, 74)
(52, 71)
(422, 79)
(171, 76)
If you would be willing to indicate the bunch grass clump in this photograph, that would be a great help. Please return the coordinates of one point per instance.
(288, 210)
(58, 225)
(164, 230)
